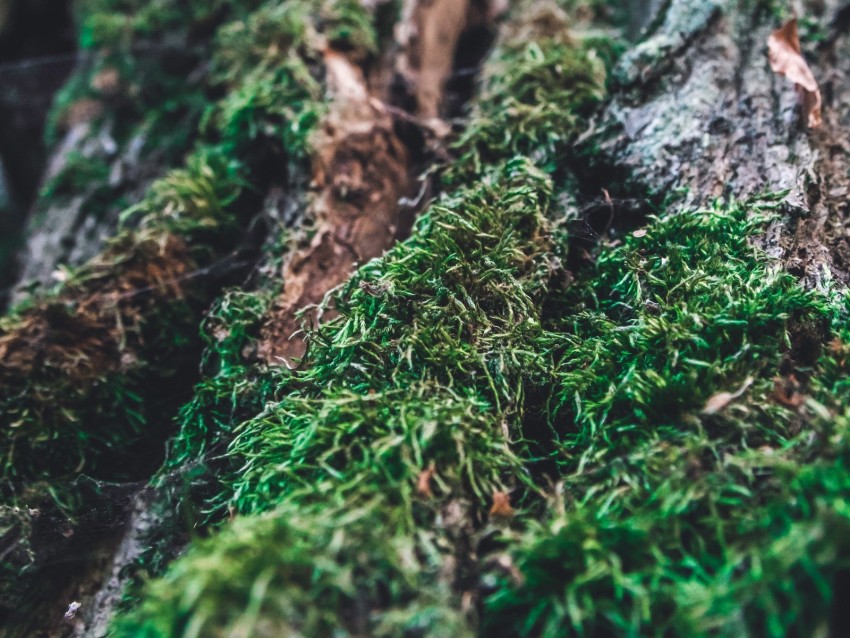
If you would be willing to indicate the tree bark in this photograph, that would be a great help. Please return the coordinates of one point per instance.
(697, 109)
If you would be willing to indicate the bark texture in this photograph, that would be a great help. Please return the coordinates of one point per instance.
(361, 171)
(697, 109)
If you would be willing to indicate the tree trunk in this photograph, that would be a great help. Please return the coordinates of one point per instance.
(596, 387)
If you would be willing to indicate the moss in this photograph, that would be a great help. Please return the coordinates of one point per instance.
(673, 517)
(398, 432)
(341, 556)
(185, 221)
(685, 490)
(369, 437)
(535, 96)
(91, 370)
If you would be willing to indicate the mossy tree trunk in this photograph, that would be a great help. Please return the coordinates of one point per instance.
(699, 109)
(435, 319)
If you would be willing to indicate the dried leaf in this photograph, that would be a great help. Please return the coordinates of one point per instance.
(501, 506)
(839, 350)
(786, 392)
(786, 58)
(720, 400)
(423, 483)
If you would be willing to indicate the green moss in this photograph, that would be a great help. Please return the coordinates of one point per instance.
(423, 370)
(535, 96)
(231, 386)
(367, 436)
(301, 572)
(673, 518)
(186, 220)
(662, 517)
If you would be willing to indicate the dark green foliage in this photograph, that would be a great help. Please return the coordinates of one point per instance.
(423, 372)
(673, 519)
(535, 97)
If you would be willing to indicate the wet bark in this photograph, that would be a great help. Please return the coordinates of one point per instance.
(361, 171)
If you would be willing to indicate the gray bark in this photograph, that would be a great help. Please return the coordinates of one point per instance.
(66, 231)
(699, 110)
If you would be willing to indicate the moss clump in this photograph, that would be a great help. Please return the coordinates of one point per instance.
(301, 572)
(73, 362)
(661, 323)
(410, 398)
(449, 312)
(680, 510)
(368, 475)
(535, 96)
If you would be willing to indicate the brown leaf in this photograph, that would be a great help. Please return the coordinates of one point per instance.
(840, 350)
(423, 483)
(720, 400)
(501, 506)
(786, 58)
(785, 392)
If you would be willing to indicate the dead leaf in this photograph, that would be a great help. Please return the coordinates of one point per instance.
(501, 506)
(786, 58)
(840, 350)
(720, 400)
(785, 392)
(423, 483)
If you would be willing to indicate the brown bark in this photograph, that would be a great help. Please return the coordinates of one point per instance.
(361, 167)
(428, 34)
(361, 171)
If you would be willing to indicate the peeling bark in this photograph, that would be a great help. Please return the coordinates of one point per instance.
(362, 167)
(360, 171)
(428, 34)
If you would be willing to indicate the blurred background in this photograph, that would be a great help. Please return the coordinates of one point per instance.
(37, 53)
